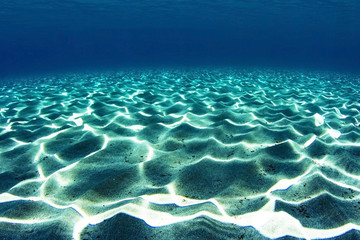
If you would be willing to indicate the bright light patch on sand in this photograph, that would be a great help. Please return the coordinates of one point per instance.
(296, 107)
(199, 126)
(52, 126)
(88, 128)
(236, 106)
(319, 120)
(150, 154)
(19, 142)
(180, 103)
(256, 153)
(41, 173)
(6, 197)
(341, 116)
(310, 141)
(175, 124)
(89, 110)
(334, 133)
(136, 128)
(52, 135)
(8, 127)
(78, 121)
(253, 115)
(145, 114)
(22, 221)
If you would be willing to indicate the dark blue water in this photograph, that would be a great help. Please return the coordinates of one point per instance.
(40, 36)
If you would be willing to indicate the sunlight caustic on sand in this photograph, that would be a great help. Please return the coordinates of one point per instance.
(250, 152)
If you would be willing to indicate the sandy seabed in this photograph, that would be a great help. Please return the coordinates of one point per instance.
(175, 154)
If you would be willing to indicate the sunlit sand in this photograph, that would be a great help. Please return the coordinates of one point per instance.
(227, 154)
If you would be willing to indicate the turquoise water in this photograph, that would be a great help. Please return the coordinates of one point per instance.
(179, 154)
(179, 120)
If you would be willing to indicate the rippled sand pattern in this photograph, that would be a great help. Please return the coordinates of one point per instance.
(181, 155)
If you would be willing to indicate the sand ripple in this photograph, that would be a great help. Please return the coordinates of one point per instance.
(225, 154)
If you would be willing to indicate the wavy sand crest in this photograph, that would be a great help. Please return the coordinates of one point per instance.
(225, 154)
